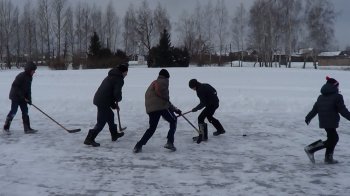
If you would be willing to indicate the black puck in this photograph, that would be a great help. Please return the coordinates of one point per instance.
(244, 135)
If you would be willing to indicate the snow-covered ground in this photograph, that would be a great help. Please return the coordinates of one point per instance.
(267, 104)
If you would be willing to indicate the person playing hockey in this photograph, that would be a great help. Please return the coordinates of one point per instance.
(210, 102)
(157, 102)
(20, 95)
(328, 106)
(106, 98)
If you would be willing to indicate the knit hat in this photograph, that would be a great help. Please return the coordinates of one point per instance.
(332, 81)
(123, 67)
(30, 66)
(193, 83)
(164, 73)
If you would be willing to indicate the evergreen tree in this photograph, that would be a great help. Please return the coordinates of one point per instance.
(164, 56)
(95, 45)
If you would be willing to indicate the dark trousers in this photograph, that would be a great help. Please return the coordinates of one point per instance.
(153, 123)
(14, 108)
(208, 113)
(105, 115)
(332, 140)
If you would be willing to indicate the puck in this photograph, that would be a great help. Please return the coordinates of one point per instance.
(244, 135)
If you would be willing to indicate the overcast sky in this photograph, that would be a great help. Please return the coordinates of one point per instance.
(175, 8)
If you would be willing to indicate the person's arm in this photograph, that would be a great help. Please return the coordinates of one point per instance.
(311, 114)
(342, 108)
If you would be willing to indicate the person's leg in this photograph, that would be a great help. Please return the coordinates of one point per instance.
(25, 118)
(215, 122)
(153, 123)
(330, 143)
(10, 116)
(113, 129)
(101, 122)
(172, 120)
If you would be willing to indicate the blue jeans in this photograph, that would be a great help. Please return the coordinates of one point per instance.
(153, 123)
(14, 108)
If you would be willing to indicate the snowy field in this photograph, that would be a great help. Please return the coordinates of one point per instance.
(267, 104)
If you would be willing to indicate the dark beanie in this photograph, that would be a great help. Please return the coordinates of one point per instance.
(193, 83)
(124, 67)
(164, 73)
(30, 66)
(332, 81)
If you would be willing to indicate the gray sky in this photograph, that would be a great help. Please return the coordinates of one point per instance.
(175, 8)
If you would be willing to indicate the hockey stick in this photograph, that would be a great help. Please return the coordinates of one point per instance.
(68, 130)
(184, 114)
(199, 139)
(120, 126)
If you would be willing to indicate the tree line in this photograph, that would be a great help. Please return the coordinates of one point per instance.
(57, 32)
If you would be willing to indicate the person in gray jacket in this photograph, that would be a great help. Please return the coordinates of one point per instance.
(328, 107)
(157, 102)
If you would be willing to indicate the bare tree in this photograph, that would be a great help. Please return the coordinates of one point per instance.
(221, 18)
(186, 31)
(239, 29)
(7, 13)
(161, 20)
(129, 34)
(68, 31)
(110, 22)
(58, 11)
(145, 26)
(97, 22)
(44, 14)
(320, 18)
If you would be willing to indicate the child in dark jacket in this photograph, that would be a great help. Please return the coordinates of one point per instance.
(21, 96)
(328, 106)
(210, 102)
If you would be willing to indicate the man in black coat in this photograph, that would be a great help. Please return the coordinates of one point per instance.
(106, 98)
(20, 96)
(328, 106)
(210, 102)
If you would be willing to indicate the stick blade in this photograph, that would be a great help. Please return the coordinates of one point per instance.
(73, 130)
(123, 128)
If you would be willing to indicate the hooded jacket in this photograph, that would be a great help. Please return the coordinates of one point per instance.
(21, 87)
(207, 96)
(328, 107)
(110, 90)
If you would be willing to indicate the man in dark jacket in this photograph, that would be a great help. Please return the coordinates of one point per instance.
(106, 98)
(158, 105)
(210, 102)
(21, 95)
(328, 106)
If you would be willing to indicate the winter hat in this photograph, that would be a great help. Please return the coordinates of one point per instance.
(332, 81)
(193, 83)
(30, 66)
(124, 67)
(164, 73)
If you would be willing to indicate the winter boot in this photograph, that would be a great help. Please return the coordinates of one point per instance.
(7, 125)
(312, 148)
(328, 159)
(137, 148)
(203, 128)
(26, 125)
(90, 138)
(170, 146)
(115, 135)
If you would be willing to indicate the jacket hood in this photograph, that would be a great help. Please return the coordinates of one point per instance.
(115, 72)
(328, 89)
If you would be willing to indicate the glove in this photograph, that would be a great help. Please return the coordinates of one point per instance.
(177, 111)
(194, 110)
(29, 101)
(115, 106)
(307, 121)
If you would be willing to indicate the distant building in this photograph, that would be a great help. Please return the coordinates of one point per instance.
(337, 58)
